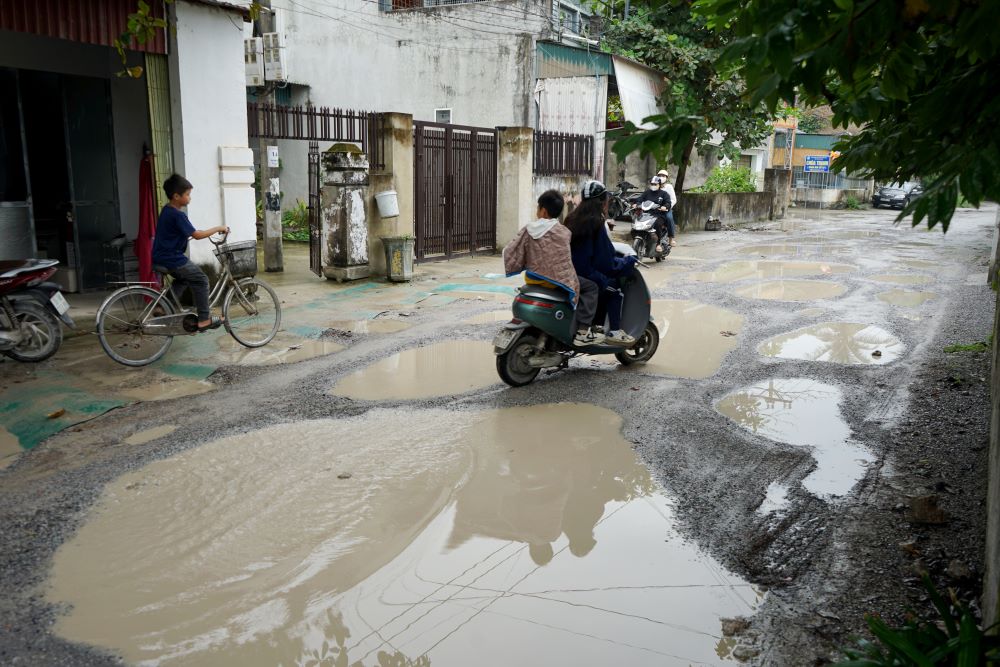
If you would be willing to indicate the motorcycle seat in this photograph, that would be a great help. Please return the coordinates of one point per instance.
(540, 292)
(15, 267)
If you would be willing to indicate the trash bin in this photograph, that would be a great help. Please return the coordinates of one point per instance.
(398, 258)
(388, 204)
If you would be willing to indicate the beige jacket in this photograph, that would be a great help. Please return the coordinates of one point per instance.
(541, 249)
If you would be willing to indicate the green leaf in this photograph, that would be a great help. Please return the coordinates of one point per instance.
(898, 643)
(968, 654)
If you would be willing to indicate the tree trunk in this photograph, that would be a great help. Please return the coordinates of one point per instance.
(682, 167)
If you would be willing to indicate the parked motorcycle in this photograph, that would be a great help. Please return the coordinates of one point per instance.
(644, 236)
(622, 201)
(31, 309)
(540, 335)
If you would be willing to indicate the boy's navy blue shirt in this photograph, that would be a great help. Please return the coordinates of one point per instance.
(173, 229)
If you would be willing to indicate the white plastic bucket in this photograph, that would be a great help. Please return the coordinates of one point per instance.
(388, 204)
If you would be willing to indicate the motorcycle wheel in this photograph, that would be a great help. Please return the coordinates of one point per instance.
(512, 365)
(639, 246)
(644, 348)
(44, 332)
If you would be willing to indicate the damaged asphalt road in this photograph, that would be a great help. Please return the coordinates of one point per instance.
(795, 505)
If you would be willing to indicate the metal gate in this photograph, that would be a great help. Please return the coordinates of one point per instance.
(315, 258)
(455, 190)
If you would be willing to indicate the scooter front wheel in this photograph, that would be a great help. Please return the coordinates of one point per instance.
(644, 348)
(639, 246)
(512, 365)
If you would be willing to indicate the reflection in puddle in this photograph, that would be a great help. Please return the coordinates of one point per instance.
(792, 290)
(838, 342)
(380, 326)
(692, 344)
(903, 279)
(768, 269)
(804, 413)
(775, 499)
(782, 249)
(899, 297)
(441, 369)
(490, 318)
(517, 536)
(150, 434)
(288, 350)
(919, 264)
(854, 234)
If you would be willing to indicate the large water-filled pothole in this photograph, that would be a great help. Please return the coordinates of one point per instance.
(804, 413)
(518, 536)
(837, 342)
(906, 298)
(441, 369)
(792, 290)
(903, 279)
(768, 270)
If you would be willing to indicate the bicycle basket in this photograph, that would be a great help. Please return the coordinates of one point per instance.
(240, 256)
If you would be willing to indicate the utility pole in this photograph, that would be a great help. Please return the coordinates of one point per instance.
(626, 8)
(271, 197)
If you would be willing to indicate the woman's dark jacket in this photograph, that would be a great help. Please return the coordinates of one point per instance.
(594, 259)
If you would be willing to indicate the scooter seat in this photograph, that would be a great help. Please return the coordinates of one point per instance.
(540, 292)
(11, 268)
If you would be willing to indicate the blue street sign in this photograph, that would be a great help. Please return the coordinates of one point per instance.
(817, 163)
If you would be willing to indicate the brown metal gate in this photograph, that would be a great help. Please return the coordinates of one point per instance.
(315, 259)
(455, 190)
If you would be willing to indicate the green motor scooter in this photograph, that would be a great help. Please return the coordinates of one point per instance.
(540, 335)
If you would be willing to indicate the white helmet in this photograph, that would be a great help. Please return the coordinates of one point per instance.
(593, 190)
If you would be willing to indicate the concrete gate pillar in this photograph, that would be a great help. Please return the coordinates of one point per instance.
(344, 224)
(397, 174)
(778, 182)
(515, 198)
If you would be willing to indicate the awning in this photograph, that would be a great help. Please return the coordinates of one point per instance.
(92, 22)
(639, 88)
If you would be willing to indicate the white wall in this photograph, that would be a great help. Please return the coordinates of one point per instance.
(476, 58)
(208, 94)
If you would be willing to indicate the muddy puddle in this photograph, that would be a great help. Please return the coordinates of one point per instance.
(906, 298)
(775, 499)
(919, 264)
(768, 270)
(149, 434)
(792, 290)
(378, 326)
(492, 317)
(803, 413)
(777, 249)
(441, 369)
(283, 350)
(903, 279)
(517, 536)
(10, 447)
(837, 342)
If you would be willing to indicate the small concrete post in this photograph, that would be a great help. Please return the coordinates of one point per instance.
(344, 224)
(777, 181)
(515, 162)
(991, 582)
(397, 132)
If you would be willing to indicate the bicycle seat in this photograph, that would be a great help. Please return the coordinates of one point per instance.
(162, 270)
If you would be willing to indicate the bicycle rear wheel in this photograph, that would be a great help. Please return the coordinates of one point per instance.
(252, 312)
(119, 326)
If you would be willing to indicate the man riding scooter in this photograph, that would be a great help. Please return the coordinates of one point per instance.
(655, 194)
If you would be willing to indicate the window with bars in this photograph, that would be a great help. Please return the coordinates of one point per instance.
(398, 5)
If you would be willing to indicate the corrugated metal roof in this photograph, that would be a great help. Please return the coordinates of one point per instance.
(89, 21)
(558, 60)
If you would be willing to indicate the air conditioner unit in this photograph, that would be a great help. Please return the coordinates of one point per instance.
(253, 57)
(274, 57)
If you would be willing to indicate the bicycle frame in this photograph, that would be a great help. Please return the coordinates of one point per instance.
(219, 289)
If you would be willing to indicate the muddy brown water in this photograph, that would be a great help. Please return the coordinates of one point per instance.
(150, 434)
(774, 249)
(10, 447)
(804, 413)
(517, 536)
(837, 342)
(903, 279)
(441, 369)
(906, 298)
(377, 326)
(769, 269)
(287, 350)
(792, 290)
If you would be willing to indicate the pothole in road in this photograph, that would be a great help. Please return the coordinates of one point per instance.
(804, 413)
(769, 269)
(517, 536)
(783, 249)
(284, 350)
(903, 279)
(906, 298)
(442, 369)
(792, 290)
(370, 326)
(837, 342)
(492, 316)
(919, 264)
(150, 434)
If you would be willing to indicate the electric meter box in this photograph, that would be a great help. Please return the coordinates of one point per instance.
(274, 57)
(253, 57)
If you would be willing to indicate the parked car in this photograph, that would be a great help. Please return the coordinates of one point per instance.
(896, 195)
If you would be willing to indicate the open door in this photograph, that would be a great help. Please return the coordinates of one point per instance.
(91, 162)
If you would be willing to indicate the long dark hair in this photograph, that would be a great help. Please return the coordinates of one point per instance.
(587, 219)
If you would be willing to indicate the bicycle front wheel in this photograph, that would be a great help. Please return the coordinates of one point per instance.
(119, 326)
(252, 312)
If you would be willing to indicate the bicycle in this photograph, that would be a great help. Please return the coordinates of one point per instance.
(136, 324)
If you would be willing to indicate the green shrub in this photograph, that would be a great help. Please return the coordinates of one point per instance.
(295, 222)
(852, 203)
(729, 178)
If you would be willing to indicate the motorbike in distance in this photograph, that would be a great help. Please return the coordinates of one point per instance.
(540, 335)
(622, 200)
(31, 310)
(644, 237)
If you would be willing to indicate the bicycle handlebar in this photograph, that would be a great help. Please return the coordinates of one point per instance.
(222, 238)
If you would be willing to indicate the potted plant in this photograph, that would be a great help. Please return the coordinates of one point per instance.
(398, 257)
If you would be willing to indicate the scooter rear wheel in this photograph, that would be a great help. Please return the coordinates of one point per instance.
(512, 365)
(644, 348)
